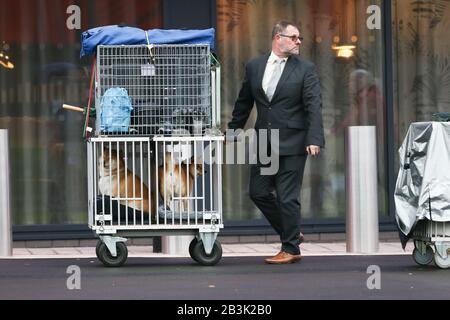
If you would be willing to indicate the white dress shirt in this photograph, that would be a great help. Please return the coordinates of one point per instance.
(269, 69)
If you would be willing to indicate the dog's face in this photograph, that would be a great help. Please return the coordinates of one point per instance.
(195, 168)
(108, 160)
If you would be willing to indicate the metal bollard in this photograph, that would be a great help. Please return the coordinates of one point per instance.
(361, 190)
(5, 217)
(176, 245)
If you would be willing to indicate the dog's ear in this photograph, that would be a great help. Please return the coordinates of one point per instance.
(188, 161)
(198, 161)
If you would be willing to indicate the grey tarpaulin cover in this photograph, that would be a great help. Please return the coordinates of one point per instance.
(423, 183)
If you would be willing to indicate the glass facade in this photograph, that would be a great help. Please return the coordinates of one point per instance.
(421, 62)
(40, 70)
(48, 155)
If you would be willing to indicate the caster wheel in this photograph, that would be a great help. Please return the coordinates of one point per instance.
(107, 259)
(97, 249)
(441, 262)
(199, 254)
(423, 259)
(191, 249)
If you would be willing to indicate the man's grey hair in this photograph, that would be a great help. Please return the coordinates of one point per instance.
(280, 26)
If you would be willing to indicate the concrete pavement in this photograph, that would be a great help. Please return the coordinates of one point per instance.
(229, 250)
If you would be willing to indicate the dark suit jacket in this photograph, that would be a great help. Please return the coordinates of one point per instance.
(295, 109)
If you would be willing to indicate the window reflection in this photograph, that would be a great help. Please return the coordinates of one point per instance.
(48, 156)
(421, 61)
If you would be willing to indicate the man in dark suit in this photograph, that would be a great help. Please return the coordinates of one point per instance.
(286, 91)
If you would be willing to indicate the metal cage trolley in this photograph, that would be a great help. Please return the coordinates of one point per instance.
(155, 158)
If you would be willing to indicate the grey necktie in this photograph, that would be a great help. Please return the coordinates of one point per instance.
(273, 82)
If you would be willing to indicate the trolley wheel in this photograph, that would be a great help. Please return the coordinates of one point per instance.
(441, 262)
(191, 248)
(107, 259)
(423, 259)
(199, 254)
(97, 249)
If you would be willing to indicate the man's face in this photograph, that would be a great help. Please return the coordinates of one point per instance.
(288, 41)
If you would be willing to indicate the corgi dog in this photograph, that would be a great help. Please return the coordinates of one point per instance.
(119, 182)
(177, 180)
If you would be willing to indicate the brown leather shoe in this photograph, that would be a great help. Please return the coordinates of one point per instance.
(284, 258)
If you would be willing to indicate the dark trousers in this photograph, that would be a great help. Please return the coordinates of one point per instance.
(281, 209)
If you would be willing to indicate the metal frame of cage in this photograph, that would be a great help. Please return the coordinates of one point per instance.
(173, 89)
(142, 157)
(432, 230)
(119, 212)
(428, 234)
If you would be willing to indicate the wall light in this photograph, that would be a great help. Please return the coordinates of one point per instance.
(344, 51)
(5, 60)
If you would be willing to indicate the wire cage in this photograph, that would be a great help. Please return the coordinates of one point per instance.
(432, 230)
(159, 89)
(137, 183)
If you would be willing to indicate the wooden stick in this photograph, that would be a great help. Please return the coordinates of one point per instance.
(73, 108)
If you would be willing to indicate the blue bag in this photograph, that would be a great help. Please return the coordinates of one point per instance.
(122, 35)
(115, 111)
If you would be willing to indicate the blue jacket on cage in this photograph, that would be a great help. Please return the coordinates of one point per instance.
(123, 35)
(115, 111)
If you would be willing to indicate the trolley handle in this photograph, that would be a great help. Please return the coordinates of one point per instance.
(79, 109)
(73, 108)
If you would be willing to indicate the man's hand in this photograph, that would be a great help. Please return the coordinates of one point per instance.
(313, 150)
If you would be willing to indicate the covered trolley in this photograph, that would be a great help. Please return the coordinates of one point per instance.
(422, 194)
